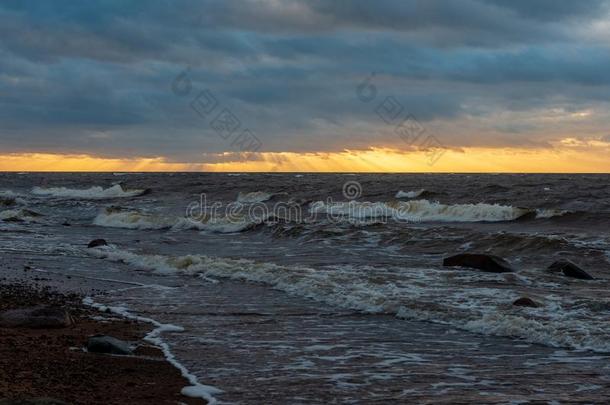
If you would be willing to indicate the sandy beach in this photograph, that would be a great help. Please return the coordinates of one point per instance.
(53, 363)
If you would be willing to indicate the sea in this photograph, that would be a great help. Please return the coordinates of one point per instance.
(330, 288)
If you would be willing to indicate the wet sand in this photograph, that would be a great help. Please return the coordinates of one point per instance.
(51, 362)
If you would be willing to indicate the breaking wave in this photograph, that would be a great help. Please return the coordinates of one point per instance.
(9, 198)
(427, 211)
(19, 215)
(254, 197)
(93, 193)
(118, 218)
(410, 194)
(457, 298)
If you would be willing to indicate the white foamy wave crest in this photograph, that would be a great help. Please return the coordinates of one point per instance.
(422, 294)
(219, 225)
(8, 194)
(422, 211)
(253, 197)
(410, 194)
(9, 197)
(545, 213)
(93, 193)
(19, 215)
(115, 218)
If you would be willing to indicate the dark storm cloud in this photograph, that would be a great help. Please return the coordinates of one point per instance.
(96, 76)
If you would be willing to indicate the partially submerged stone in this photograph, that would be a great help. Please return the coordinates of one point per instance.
(97, 243)
(570, 269)
(488, 263)
(526, 302)
(36, 317)
(108, 345)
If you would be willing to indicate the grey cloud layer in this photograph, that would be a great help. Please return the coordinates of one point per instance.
(96, 76)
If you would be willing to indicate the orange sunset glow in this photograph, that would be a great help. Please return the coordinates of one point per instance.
(466, 160)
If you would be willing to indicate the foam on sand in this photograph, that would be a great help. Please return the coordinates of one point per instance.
(92, 193)
(196, 389)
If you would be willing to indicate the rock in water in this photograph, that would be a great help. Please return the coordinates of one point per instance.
(107, 344)
(526, 302)
(36, 317)
(570, 269)
(96, 243)
(488, 263)
(7, 202)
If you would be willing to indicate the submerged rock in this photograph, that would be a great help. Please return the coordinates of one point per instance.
(488, 263)
(7, 201)
(97, 242)
(107, 344)
(36, 317)
(570, 269)
(526, 302)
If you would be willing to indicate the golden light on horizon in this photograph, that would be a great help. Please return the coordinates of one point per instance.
(511, 160)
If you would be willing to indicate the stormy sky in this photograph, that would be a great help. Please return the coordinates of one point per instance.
(121, 78)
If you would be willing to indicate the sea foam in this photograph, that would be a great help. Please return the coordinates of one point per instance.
(93, 193)
(422, 211)
(196, 389)
(410, 194)
(117, 218)
(456, 298)
(253, 197)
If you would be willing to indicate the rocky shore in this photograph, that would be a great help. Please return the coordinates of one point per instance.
(44, 336)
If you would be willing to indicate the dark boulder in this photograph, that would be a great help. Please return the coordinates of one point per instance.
(107, 344)
(526, 302)
(36, 317)
(569, 269)
(488, 263)
(96, 243)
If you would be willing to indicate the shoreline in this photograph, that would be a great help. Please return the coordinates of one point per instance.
(52, 362)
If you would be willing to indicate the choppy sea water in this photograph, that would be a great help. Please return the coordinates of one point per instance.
(333, 283)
